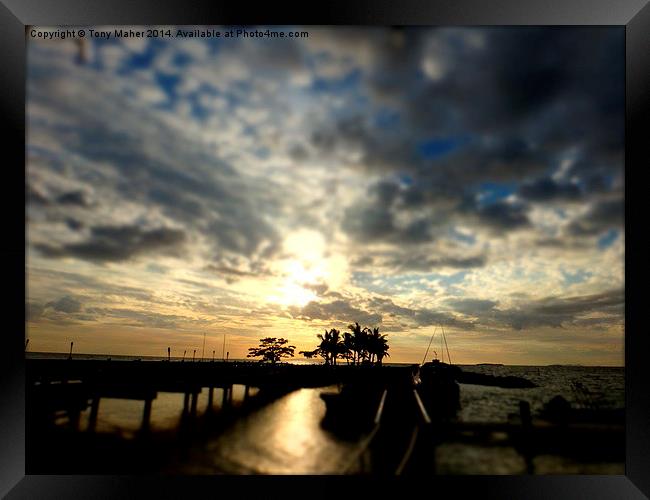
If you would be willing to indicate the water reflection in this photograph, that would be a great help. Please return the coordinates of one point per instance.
(284, 437)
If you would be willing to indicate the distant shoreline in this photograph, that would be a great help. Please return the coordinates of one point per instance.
(299, 361)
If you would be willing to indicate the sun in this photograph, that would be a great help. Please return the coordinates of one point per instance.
(292, 290)
(306, 265)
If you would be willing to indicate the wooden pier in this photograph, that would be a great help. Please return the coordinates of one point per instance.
(70, 386)
(410, 410)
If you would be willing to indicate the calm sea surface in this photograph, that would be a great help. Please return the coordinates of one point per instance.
(285, 437)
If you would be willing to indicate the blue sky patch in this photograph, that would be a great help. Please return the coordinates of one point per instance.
(580, 276)
(434, 148)
(168, 83)
(608, 239)
(387, 119)
(491, 192)
(346, 82)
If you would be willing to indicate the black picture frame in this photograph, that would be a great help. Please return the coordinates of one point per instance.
(15, 15)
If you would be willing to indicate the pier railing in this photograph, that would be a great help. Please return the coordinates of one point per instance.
(358, 462)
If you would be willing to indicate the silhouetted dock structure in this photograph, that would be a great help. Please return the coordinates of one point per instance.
(399, 415)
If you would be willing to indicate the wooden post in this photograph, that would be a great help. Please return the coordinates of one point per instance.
(169, 354)
(195, 396)
(94, 410)
(186, 402)
(247, 389)
(526, 423)
(210, 397)
(224, 400)
(70, 355)
(73, 415)
(146, 415)
(194, 355)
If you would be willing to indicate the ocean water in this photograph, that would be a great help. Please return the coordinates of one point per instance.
(285, 437)
(606, 386)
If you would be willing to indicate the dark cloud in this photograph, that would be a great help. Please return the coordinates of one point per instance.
(471, 306)
(33, 310)
(338, 310)
(427, 317)
(564, 242)
(424, 263)
(558, 312)
(229, 271)
(499, 106)
(233, 270)
(504, 216)
(418, 317)
(74, 198)
(388, 307)
(611, 300)
(73, 223)
(517, 86)
(65, 304)
(600, 217)
(117, 243)
(546, 189)
(593, 310)
(375, 218)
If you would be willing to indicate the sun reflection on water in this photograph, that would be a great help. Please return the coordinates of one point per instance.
(284, 437)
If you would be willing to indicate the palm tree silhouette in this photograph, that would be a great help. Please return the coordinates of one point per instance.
(378, 345)
(359, 343)
(331, 345)
(358, 346)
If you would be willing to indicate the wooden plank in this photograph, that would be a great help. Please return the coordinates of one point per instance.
(423, 411)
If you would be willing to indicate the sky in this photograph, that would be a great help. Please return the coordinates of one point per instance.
(412, 179)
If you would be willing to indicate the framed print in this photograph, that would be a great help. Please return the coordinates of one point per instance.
(367, 246)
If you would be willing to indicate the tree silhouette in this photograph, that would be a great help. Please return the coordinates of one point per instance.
(377, 346)
(272, 349)
(358, 346)
(358, 342)
(330, 347)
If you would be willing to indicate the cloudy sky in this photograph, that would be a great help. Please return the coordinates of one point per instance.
(401, 178)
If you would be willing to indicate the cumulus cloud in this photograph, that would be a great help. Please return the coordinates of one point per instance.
(556, 312)
(117, 243)
(418, 317)
(337, 310)
(546, 189)
(65, 304)
(600, 217)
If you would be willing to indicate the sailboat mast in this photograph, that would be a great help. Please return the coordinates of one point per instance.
(445, 338)
(427, 351)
